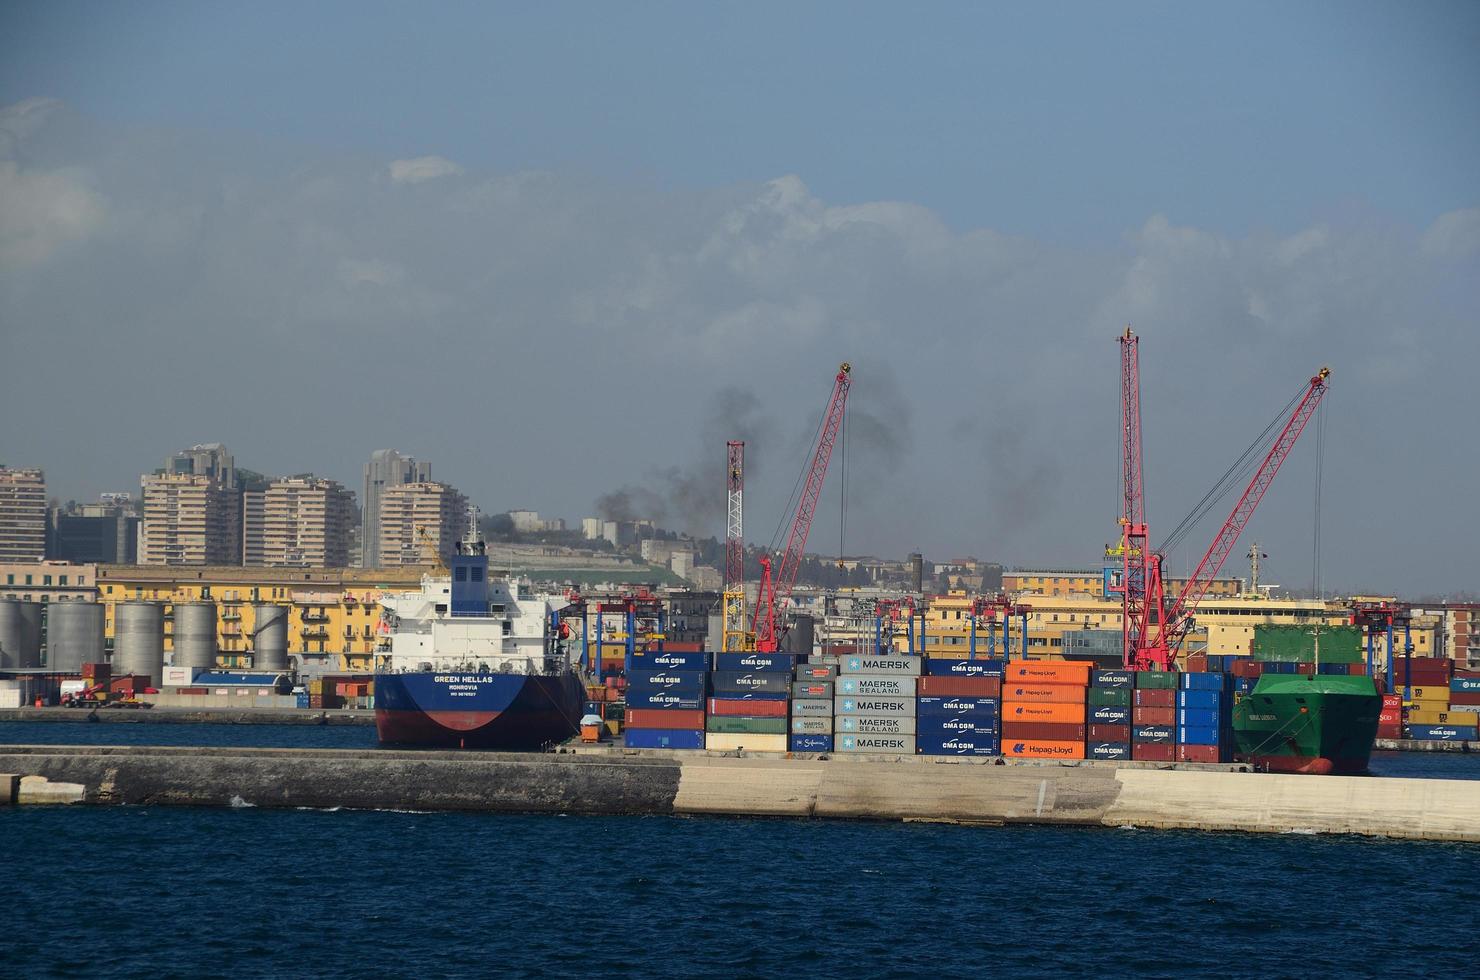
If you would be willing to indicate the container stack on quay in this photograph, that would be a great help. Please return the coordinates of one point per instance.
(958, 710)
(1204, 717)
(1437, 705)
(1154, 716)
(1044, 707)
(665, 700)
(812, 692)
(1110, 698)
(750, 702)
(874, 702)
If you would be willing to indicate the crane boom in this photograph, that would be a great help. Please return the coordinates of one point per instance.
(734, 595)
(1140, 583)
(1178, 620)
(776, 589)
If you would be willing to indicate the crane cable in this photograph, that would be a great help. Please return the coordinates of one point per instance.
(842, 485)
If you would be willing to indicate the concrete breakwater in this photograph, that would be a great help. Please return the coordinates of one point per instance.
(603, 782)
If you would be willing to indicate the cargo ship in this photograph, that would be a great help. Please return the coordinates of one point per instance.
(1323, 724)
(476, 664)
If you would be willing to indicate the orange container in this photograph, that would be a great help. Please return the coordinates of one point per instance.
(1048, 672)
(1059, 693)
(1042, 749)
(1053, 711)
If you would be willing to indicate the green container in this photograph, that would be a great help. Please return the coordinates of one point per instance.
(1297, 644)
(1156, 680)
(740, 725)
(1110, 697)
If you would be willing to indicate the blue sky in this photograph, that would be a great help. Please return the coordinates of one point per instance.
(568, 249)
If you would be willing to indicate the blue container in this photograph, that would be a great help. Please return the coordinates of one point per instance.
(1244, 684)
(1109, 715)
(973, 745)
(1199, 717)
(810, 743)
(1107, 750)
(939, 667)
(664, 699)
(1154, 734)
(1112, 678)
(956, 725)
(1212, 700)
(1443, 733)
(1197, 735)
(652, 660)
(301, 701)
(953, 707)
(728, 683)
(753, 662)
(1464, 685)
(1339, 669)
(1203, 682)
(688, 683)
(663, 738)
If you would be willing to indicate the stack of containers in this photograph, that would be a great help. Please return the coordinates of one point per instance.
(958, 708)
(1110, 695)
(1429, 708)
(1154, 716)
(665, 700)
(812, 708)
(1044, 706)
(750, 701)
(1204, 718)
(874, 704)
(1390, 718)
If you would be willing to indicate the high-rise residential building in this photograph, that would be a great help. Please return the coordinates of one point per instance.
(419, 521)
(189, 520)
(22, 515)
(299, 522)
(387, 468)
(209, 459)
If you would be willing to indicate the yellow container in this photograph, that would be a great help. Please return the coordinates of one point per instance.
(729, 742)
(1461, 718)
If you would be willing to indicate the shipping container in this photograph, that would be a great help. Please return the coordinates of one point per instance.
(688, 683)
(811, 689)
(1107, 750)
(1193, 735)
(1202, 718)
(874, 724)
(958, 706)
(1154, 751)
(976, 687)
(1165, 734)
(810, 743)
(816, 672)
(1110, 697)
(755, 707)
(752, 663)
(889, 744)
(1153, 716)
(956, 725)
(771, 685)
(658, 738)
(1044, 712)
(1201, 753)
(1043, 731)
(812, 707)
(862, 664)
(1109, 716)
(1156, 680)
(1296, 644)
(652, 661)
(745, 725)
(874, 706)
(664, 699)
(956, 667)
(896, 686)
(963, 745)
(1211, 700)
(1442, 733)
(734, 741)
(1203, 682)
(1155, 698)
(1109, 733)
(1465, 684)
(1113, 678)
(1461, 719)
(1042, 749)
(660, 718)
(1044, 693)
(1467, 698)
(1075, 672)
(812, 726)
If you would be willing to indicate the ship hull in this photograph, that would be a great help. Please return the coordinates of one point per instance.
(1321, 725)
(511, 712)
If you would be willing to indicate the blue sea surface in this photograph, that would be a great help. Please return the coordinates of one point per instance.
(185, 892)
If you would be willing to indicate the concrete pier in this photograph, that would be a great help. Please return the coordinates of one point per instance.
(614, 781)
(183, 716)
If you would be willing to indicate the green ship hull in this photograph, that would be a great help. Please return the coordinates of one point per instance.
(1322, 725)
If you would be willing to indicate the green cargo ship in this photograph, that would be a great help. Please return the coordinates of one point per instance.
(1324, 724)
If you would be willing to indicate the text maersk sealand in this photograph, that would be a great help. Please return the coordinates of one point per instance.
(475, 664)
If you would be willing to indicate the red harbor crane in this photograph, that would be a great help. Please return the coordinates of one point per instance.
(775, 590)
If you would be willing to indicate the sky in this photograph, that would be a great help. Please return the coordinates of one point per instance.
(566, 250)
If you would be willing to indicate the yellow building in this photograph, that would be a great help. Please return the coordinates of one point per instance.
(1064, 582)
(333, 614)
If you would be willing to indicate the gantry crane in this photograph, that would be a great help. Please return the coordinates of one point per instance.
(775, 590)
(1152, 631)
(736, 637)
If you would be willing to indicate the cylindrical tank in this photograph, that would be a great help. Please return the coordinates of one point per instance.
(799, 638)
(269, 637)
(195, 635)
(138, 640)
(917, 572)
(20, 634)
(74, 635)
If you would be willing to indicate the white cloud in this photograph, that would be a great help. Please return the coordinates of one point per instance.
(1454, 235)
(418, 169)
(42, 211)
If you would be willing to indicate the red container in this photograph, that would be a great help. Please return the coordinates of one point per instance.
(664, 718)
(1154, 716)
(1308, 670)
(1046, 731)
(966, 687)
(1155, 699)
(1197, 753)
(1147, 752)
(1245, 667)
(1196, 663)
(1109, 733)
(669, 646)
(1390, 717)
(1389, 731)
(1464, 697)
(755, 709)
